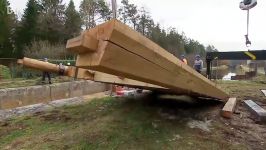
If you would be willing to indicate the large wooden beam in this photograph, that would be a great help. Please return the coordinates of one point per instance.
(124, 52)
(88, 74)
(53, 68)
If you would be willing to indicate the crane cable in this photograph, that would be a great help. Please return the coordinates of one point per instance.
(247, 21)
(114, 9)
(248, 43)
(247, 5)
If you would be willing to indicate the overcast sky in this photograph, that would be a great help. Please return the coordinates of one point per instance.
(217, 22)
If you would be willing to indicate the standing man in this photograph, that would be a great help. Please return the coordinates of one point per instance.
(183, 59)
(45, 73)
(198, 64)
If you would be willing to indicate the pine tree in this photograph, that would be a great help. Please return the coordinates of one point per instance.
(93, 12)
(51, 20)
(175, 42)
(128, 14)
(72, 22)
(211, 48)
(158, 35)
(7, 28)
(104, 10)
(88, 12)
(28, 29)
(133, 15)
(123, 11)
(145, 23)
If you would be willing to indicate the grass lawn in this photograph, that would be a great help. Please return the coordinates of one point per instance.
(4, 72)
(20, 82)
(139, 123)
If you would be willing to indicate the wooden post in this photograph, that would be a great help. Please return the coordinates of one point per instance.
(88, 75)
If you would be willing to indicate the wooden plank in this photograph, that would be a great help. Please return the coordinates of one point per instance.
(258, 112)
(107, 78)
(229, 108)
(116, 32)
(127, 48)
(117, 66)
(108, 62)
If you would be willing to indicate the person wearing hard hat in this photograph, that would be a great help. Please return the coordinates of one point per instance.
(198, 64)
(183, 59)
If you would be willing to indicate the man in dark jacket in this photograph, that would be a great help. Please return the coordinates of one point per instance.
(45, 73)
(198, 64)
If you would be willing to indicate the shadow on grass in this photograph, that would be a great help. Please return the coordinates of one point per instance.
(181, 106)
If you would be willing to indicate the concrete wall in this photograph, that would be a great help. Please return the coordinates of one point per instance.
(16, 97)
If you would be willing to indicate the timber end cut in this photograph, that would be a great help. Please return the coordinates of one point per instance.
(114, 48)
(229, 108)
(258, 112)
(81, 45)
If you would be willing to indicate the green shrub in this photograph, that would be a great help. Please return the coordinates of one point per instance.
(5, 72)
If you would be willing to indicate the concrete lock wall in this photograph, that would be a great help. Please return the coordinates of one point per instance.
(16, 97)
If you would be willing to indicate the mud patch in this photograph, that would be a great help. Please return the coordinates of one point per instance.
(55, 115)
(242, 129)
(6, 128)
(203, 125)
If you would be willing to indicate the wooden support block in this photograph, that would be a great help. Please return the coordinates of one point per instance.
(258, 112)
(229, 108)
(264, 92)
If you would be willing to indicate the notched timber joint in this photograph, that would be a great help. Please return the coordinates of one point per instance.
(82, 44)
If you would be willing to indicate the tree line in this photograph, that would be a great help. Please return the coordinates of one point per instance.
(46, 25)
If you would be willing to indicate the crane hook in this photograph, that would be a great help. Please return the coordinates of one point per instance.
(247, 5)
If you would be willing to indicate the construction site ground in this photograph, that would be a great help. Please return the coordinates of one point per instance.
(21, 82)
(142, 122)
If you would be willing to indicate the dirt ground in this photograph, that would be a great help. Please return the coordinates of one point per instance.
(246, 130)
(144, 122)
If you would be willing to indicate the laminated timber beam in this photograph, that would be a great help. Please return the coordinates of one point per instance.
(87, 74)
(121, 51)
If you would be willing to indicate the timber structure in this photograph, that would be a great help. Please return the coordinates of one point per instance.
(116, 49)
